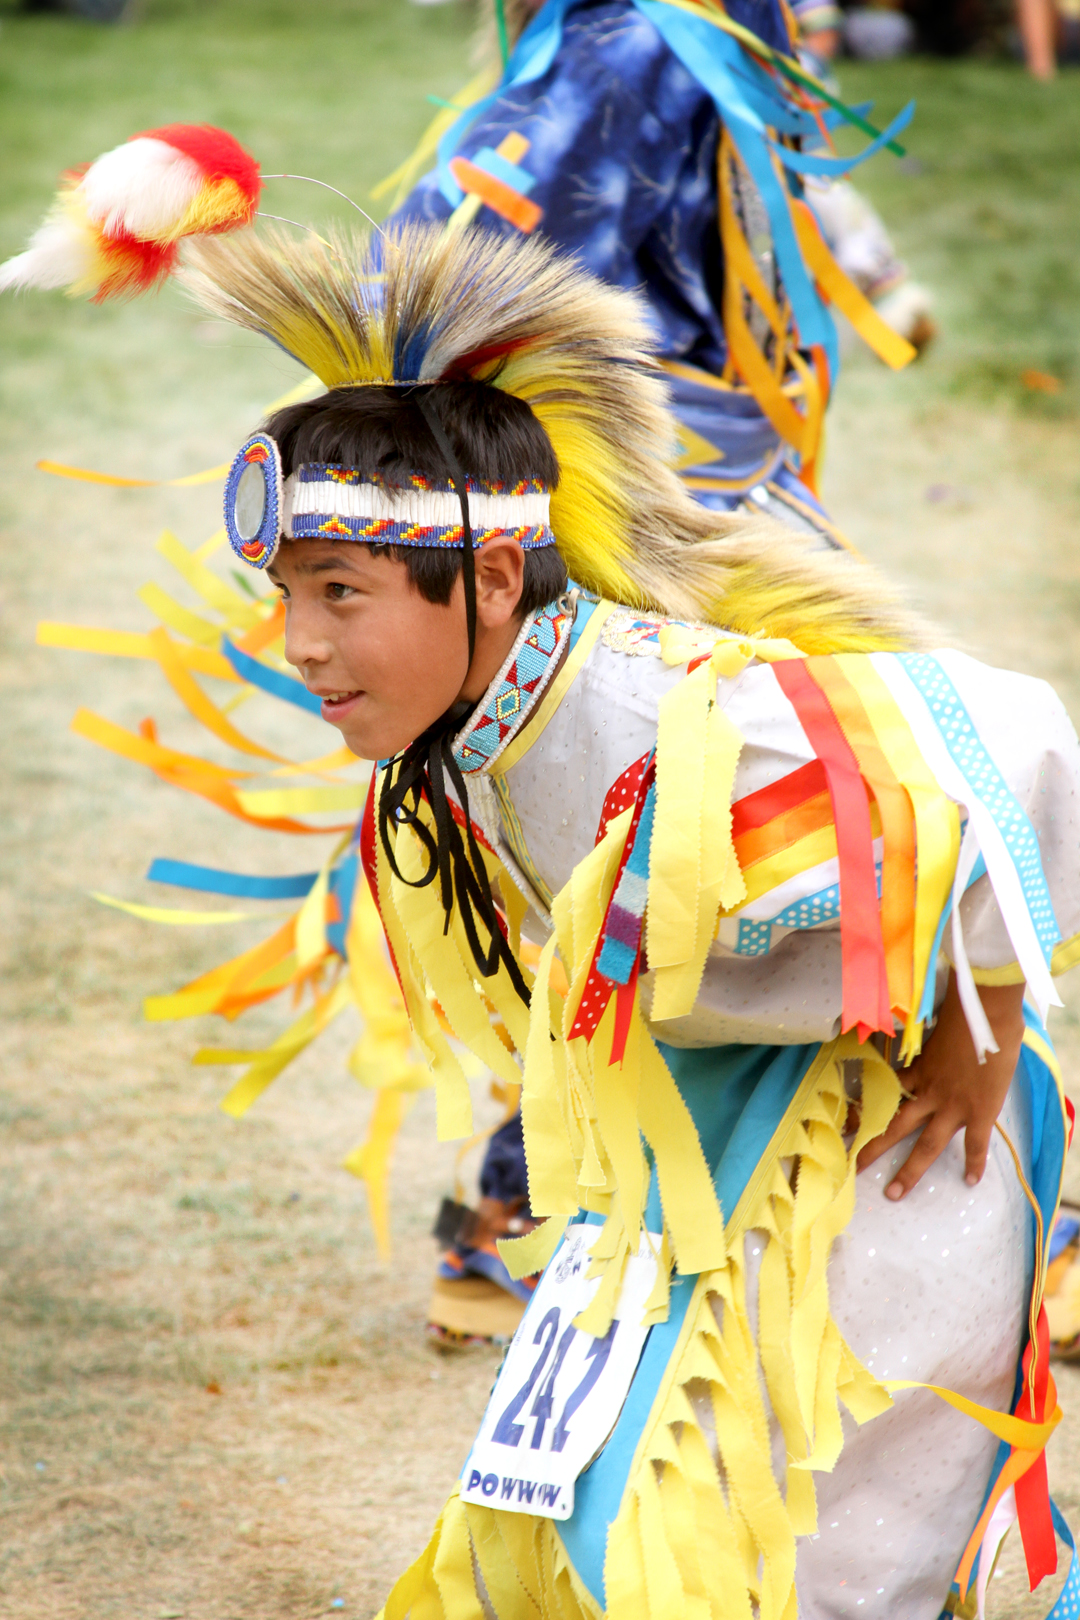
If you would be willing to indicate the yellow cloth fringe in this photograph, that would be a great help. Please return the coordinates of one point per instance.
(704, 1528)
(586, 1122)
(694, 872)
(298, 956)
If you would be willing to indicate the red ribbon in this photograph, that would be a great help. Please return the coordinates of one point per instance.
(598, 988)
(369, 861)
(865, 998)
(624, 1007)
(1032, 1488)
(787, 793)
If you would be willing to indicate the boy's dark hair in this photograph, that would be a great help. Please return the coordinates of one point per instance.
(383, 433)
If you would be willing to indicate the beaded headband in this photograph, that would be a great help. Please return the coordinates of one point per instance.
(323, 500)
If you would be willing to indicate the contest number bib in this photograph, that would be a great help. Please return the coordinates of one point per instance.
(560, 1391)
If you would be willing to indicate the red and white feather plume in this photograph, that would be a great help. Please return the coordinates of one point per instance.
(116, 225)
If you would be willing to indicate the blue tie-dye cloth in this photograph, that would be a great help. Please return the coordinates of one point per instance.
(622, 149)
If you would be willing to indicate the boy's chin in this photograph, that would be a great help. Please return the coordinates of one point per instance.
(374, 741)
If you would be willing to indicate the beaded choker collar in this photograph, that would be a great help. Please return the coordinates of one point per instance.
(516, 689)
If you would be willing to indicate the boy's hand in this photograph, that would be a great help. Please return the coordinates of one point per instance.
(952, 1091)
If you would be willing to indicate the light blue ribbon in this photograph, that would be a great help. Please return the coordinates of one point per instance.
(530, 59)
(270, 680)
(1067, 1606)
(749, 103)
(813, 163)
(241, 885)
(976, 765)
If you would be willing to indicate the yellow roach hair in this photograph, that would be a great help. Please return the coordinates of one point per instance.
(415, 304)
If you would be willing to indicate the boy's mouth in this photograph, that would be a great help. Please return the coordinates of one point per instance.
(336, 705)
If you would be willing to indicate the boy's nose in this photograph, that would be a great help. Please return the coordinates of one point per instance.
(304, 645)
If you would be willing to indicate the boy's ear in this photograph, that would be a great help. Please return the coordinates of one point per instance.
(500, 575)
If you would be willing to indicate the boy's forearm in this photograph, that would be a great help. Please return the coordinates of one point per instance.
(1003, 1005)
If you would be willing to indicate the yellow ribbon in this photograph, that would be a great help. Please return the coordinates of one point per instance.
(131, 644)
(181, 919)
(60, 469)
(234, 608)
(198, 704)
(765, 378)
(179, 618)
(937, 825)
(1018, 1432)
(693, 869)
(370, 1162)
(311, 918)
(524, 1255)
(265, 803)
(268, 1065)
(840, 290)
(403, 177)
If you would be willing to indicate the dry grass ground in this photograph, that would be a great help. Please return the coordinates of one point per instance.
(215, 1401)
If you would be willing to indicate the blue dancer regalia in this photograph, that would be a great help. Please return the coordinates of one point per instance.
(660, 144)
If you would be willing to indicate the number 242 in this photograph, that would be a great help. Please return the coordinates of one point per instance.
(509, 1432)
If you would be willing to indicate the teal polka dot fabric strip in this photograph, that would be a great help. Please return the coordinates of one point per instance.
(973, 760)
(1067, 1606)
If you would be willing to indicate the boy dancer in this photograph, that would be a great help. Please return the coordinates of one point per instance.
(622, 132)
(493, 692)
(756, 825)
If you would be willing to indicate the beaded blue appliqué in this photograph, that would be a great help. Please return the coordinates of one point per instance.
(258, 458)
(517, 687)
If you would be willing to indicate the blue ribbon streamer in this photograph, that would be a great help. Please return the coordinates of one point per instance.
(343, 883)
(976, 765)
(210, 880)
(270, 680)
(750, 104)
(926, 1007)
(762, 97)
(812, 163)
(530, 59)
(1067, 1606)
(617, 958)
(722, 67)
(511, 174)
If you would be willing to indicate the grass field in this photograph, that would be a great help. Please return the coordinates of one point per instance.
(210, 1388)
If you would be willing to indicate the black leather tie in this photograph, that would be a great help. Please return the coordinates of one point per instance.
(420, 773)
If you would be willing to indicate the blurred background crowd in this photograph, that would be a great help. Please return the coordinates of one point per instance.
(1043, 32)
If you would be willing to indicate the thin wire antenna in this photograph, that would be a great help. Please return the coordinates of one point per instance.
(309, 228)
(307, 178)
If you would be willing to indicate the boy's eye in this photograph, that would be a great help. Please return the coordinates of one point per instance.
(338, 592)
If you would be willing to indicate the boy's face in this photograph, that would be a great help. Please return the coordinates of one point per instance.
(385, 662)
